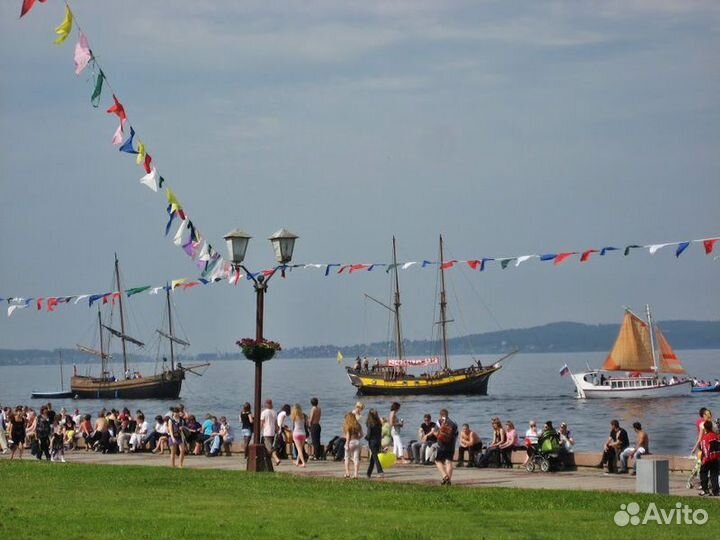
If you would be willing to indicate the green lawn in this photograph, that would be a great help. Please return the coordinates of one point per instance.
(45, 500)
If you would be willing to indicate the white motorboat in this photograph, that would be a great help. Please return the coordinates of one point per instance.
(633, 369)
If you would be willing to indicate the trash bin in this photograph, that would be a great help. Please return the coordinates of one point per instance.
(653, 476)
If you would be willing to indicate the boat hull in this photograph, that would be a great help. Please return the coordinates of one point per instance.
(471, 381)
(51, 395)
(163, 386)
(636, 388)
(706, 389)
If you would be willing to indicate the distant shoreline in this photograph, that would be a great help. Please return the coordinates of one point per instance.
(560, 337)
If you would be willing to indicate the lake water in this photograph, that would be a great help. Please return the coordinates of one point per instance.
(528, 387)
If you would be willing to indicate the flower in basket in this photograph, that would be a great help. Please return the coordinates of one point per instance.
(262, 349)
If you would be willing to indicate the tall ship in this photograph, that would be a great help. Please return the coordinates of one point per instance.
(131, 384)
(393, 378)
(634, 367)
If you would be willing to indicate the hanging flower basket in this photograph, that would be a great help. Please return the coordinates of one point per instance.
(259, 351)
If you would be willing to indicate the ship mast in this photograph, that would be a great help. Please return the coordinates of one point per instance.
(443, 306)
(170, 329)
(398, 333)
(122, 315)
(103, 360)
(652, 338)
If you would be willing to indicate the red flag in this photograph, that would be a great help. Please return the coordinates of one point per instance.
(560, 257)
(190, 285)
(448, 264)
(51, 303)
(39, 303)
(27, 6)
(586, 255)
(148, 166)
(709, 245)
(358, 267)
(474, 264)
(118, 109)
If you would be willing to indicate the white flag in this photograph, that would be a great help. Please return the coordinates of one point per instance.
(151, 179)
(522, 259)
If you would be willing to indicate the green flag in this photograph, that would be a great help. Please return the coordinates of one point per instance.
(135, 290)
(95, 98)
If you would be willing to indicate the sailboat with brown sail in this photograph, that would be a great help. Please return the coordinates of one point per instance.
(646, 373)
(393, 378)
(130, 384)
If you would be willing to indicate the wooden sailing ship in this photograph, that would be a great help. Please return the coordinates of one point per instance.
(131, 384)
(392, 378)
(633, 368)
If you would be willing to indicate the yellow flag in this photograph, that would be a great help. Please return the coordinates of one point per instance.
(63, 31)
(172, 200)
(175, 282)
(141, 153)
(339, 357)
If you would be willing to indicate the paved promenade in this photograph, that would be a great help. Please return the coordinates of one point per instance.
(582, 479)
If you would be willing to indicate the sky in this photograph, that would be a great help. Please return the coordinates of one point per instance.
(510, 128)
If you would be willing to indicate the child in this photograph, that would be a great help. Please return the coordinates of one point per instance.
(57, 448)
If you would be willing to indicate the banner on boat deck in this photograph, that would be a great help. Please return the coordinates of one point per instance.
(414, 362)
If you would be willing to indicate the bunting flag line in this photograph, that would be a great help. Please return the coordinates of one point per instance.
(215, 269)
(212, 265)
(84, 56)
(50, 303)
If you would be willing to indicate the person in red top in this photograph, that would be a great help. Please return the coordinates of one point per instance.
(710, 456)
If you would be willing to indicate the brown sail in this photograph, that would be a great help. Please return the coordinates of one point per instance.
(632, 350)
(669, 362)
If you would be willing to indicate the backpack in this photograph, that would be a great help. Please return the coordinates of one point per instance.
(711, 448)
(446, 433)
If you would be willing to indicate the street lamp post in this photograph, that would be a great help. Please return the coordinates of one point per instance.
(283, 243)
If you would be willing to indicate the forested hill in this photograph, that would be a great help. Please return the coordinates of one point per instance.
(554, 337)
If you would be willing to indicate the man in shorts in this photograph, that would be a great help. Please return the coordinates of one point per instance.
(446, 437)
(268, 427)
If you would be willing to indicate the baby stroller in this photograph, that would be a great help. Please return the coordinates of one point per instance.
(546, 456)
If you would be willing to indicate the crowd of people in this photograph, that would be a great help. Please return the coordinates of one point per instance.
(48, 433)
(290, 433)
